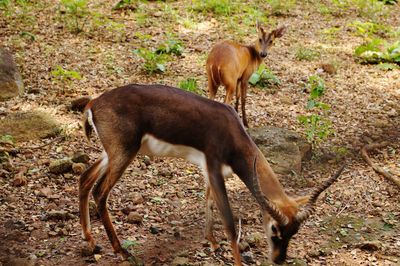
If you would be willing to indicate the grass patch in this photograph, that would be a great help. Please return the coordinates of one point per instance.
(307, 54)
(217, 7)
(190, 85)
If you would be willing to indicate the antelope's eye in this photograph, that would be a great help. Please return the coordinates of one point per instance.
(260, 40)
(274, 230)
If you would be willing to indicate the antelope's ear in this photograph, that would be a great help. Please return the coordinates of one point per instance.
(259, 27)
(302, 200)
(277, 33)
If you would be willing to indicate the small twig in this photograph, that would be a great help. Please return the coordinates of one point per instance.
(345, 207)
(378, 169)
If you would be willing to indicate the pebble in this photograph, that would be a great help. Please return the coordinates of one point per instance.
(60, 166)
(78, 168)
(80, 157)
(134, 218)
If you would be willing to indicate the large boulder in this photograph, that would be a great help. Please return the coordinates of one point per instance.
(29, 126)
(284, 149)
(10, 79)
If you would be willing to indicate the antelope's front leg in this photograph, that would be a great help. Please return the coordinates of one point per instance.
(209, 219)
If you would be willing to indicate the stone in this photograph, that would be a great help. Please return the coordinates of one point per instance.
(134, 218)
(370, 245)
(60, 166)
(180, 261)
(136, 198)
(80, 157)
(59, 215)
(146, 160)
(78, 168)
(45, 192)
(11, 84)
(79, 104)
(248, 257)
(284, 149)
(25, 126)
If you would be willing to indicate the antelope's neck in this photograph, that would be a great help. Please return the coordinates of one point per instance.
(272, 188)
(254, 55)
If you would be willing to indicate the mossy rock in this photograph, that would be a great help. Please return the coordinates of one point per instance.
(29, 126)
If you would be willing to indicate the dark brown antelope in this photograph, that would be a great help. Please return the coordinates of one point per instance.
(165, 121)
(232, 64)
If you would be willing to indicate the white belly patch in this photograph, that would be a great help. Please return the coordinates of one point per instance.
(154, 147)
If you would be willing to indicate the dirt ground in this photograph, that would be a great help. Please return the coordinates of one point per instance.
(357, 221)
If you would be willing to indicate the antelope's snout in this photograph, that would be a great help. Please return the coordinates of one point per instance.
(263, 54)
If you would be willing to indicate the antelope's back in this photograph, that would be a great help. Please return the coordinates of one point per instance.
(167, 113)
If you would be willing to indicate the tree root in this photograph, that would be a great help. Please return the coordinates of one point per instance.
(378, 169)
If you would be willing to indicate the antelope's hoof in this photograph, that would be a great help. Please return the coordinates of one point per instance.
(88, 250)
(97, 249)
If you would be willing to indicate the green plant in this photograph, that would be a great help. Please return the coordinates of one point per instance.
(218, 7)
(170, 47)
(263, 77)
(368, 29)
(317, 126)
(316, 87)
(307, 54)
(190, 84)
(4, 3)
(370, 8)
(279, 7)
(124, 4)
(76, 14)
(127, 244)
(378, 51)
(153, 62)
(389, 2)
(331, 33)
(101, 22)
(27, 35)
(64, 75)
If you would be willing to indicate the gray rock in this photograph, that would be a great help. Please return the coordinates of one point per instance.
(283, 148)
(11, 83)
(60, 166)
(248, 257)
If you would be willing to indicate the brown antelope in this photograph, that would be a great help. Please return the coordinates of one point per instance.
(165, 121)
(232, 64)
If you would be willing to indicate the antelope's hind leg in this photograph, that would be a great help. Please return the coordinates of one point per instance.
(86, 182)
(210, 220)
(118, 162)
